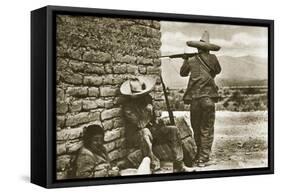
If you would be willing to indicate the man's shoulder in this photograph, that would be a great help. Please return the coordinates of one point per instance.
(84, 152)
(211, 58)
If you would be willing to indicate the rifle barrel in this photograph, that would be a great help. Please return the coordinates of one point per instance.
(183, 55)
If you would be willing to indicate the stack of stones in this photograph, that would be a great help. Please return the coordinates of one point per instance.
(94, 57)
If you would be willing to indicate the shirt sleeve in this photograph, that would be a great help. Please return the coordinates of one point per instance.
(185, 68)
(217, 66)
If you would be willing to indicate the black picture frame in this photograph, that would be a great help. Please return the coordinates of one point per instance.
(43, 95)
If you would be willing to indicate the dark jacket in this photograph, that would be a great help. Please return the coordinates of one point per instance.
(138, 114)
(201, 83)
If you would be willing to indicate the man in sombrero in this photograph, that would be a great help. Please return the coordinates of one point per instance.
(202, 94)
(142, 129)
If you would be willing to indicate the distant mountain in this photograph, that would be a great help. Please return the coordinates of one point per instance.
(236, 71)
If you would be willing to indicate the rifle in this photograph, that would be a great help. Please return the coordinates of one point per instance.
(171, 116)
(183, 56)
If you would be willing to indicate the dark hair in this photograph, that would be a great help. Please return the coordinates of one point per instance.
(90, 131)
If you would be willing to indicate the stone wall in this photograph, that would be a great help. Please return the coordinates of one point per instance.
(94, 56)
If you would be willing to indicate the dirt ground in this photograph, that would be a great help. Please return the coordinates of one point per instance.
(240, 140)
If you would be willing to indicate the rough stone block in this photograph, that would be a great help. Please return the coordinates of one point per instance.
(82, 117)
(110, 113)
(108, 67)
(93, 80)
(60, 94)
(143, 22)
(75, 54)
(155, 24)
(125, 59)
(73, 146)
(153, 70)
(100, 102)
(77, 91)
(157, 62)
(60, 121)
(142, 69)
(71, 133)
(106, 91)
(110, 146)
(118, 122)
(120, 68)
(118, 143)
(95, 68)
(98, 57)
(113, 134)
(77, 66)
(109, 104)
(94, 116)
(144, 61)
(132, 69)
(107, 124)
(72, 78)
(113, 79)
(94, 91)
(61, 63)
(149, 53)
(89, 104)
(154, 33)
(75, 106)
(62, 107)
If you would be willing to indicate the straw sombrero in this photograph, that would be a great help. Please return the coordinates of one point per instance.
(204, 43)
(137, 86)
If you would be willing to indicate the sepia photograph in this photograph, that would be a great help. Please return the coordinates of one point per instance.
(143, 97)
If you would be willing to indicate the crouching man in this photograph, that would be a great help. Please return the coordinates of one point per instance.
(92, 159)
(142, 130)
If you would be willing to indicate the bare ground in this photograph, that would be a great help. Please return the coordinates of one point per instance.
(240, 140)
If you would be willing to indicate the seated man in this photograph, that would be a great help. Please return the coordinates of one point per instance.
(92, 159)
(142, 130)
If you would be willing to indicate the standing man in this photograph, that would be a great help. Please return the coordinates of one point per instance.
(202, 94)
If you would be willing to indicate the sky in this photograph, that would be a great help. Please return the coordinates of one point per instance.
(234, 40)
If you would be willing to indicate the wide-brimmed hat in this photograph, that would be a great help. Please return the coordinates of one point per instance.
(204, 43)
(137, 86)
